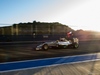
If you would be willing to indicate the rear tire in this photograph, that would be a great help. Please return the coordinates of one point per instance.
(45, 47)
(75, 45)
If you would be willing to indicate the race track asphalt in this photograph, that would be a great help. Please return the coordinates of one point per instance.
(25, 51)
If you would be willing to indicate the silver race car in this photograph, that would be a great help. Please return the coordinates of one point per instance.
(62, 43)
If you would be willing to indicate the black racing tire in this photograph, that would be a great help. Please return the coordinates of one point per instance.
(45, 47)
(75, 45)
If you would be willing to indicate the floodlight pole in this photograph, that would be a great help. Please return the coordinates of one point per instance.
(12, 30)
(16, 29)
(3, 31)
(32, 29)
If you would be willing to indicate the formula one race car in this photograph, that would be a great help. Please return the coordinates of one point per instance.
(62, 43)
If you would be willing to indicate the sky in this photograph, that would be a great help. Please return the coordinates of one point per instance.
(77, 14)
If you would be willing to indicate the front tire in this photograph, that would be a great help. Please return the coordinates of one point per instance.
(75, 45)
(45, 47)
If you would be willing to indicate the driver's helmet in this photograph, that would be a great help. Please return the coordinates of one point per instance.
(69, 34)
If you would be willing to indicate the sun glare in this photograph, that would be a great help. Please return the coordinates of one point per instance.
(89, 28)
(93, 28)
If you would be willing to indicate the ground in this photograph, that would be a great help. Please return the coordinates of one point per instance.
(16, 52)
